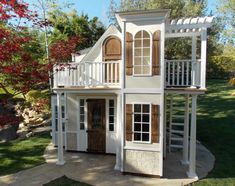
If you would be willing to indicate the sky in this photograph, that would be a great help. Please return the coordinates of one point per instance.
(99, 8)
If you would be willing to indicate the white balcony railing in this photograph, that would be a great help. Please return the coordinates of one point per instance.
(183, 73)
(87, 74)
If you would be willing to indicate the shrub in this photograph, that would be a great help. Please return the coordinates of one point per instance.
(221, 67)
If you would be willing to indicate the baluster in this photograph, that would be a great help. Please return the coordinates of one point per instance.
(187, 75)
(111, 73)
(173, 73)
(178, 73)
(182, 80)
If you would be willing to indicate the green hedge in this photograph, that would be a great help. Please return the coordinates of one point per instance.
(221, 67)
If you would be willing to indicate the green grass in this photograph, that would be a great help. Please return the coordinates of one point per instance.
(18, 154)
(216, 130)
(64, 181)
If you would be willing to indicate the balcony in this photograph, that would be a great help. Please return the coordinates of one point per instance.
(178, 74)
(183, 73)
(87, 74)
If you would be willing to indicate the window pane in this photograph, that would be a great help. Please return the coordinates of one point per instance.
(111, 119)
(82, 126)
(146, 70)
(63, 126)
(146, 42)
(138, 35)
(81, 102)
(145, 108)
(137, 127)
(137, 108)
(82, 110)
(145, 34)
(81, 118)
(145, 127)
(145, 137)
(146, 60)
(137, 52)
(137, 70)
(111, 127)
(137, 117)
(137, 136)
(137, 61)
(111, 103)
(137, 43)
(56, 124)
(145, 118)
(146, 52)
(111, 111)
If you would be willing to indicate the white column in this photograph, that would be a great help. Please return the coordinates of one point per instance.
(60, 156)
(118, 134)
(164, 137)
(194, 51)
(185, 161)
(192, 155)
(123, 75)
(203, 57)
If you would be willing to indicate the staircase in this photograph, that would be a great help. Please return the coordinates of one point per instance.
(177, 107)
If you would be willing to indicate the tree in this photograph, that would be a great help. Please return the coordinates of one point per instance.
(67, 25)
(19, 68)
(226, 9)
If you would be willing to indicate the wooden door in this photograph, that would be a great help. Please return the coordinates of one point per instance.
(112, 51)
(96, 125)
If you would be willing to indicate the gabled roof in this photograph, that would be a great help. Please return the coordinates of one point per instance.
(110, 30)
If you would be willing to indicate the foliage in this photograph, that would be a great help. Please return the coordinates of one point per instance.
(19, 67)
(34, 95)
(61, 51)
(22, 154)
(216, 130)
(232, 82)
(9, 119)
(226, 11)
(69, 25)
(221, 67)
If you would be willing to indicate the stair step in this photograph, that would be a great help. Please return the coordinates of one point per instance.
(177, 131)
(177, 116)
(177, 124)
(177, 146)
(177, 139)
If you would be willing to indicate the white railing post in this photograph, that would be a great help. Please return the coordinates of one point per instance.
(203, 57)
(194, 51)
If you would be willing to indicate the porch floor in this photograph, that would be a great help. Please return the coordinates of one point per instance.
(98, 170)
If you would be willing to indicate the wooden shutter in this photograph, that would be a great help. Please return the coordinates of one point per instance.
(155, 124)
(129, 122)
(129, 54)
(156, 53)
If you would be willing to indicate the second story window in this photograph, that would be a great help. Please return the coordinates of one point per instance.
(142, 59)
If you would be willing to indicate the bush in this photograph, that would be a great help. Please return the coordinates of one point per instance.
(221, 67)
(33, 96)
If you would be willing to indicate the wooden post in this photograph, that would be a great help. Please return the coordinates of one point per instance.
(164, 127)
(192, 155)
(60, 156)
(185, 161)
(203, 57)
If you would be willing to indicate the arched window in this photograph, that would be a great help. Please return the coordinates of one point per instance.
(142, 59)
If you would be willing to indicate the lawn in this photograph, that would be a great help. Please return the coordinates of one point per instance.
(18, 154)
(216, 130)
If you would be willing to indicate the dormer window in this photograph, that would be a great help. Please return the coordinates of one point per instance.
(142, 60)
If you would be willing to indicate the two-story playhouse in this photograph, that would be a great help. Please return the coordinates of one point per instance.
(118, 97)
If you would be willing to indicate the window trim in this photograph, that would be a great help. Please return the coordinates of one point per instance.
(150, 55)
(150, 122)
